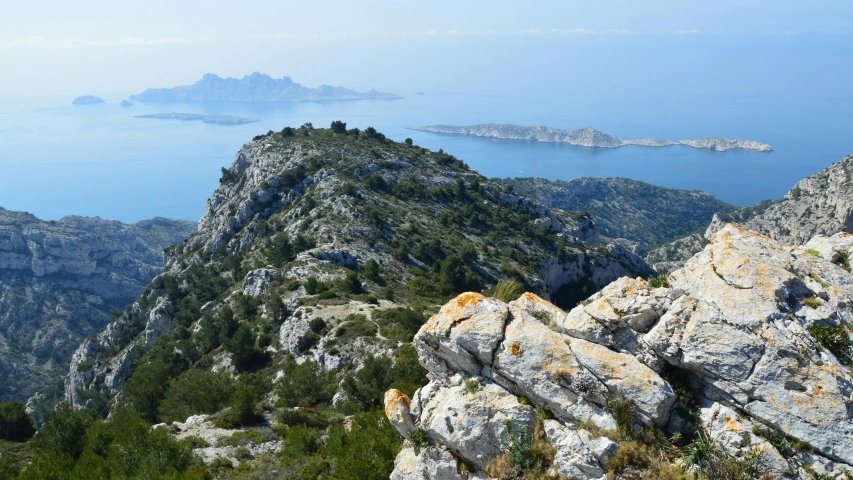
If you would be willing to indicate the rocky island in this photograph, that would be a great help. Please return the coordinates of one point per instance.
(189, 117)
(87, 100)
(125, 103)
(256, 87)
(588, 137)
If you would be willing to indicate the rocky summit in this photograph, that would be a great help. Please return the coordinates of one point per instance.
(746, 347)
(59, 280)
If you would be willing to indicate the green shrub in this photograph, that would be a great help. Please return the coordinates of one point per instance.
(146, 389)
(834, 339)
(196, 391)
(293, 285)
(308, 384)
(400, 324)
(814, 252)
(64, 433)
(366, 450)
(366, 387)
(407, 374)
(15, 424)
(659, 281)
(507, 290)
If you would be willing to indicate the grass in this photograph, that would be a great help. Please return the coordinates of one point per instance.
(814, 252)
(507, 290)
(812, 302)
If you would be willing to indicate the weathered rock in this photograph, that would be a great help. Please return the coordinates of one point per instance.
(431, 463)
(397, 411)
(574, 460)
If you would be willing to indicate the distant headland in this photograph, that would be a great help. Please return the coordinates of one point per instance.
(589, 137)
(87, 100)
(189, 117)
(256, 87)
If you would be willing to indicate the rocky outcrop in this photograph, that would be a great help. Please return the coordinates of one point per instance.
(739, 326)
(256, 87)
(588, 137)
(818, 204)
(59, 280)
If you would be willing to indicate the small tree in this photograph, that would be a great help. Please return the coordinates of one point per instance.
(287, 132)
(409, 141)
(339, 127)
(15, 424)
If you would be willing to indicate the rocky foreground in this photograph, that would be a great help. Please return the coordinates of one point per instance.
(748, 345)
(589, 137)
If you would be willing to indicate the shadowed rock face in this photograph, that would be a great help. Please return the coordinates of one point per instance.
(58, 282)
(735, 321)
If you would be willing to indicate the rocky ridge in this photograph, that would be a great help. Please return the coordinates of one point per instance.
(59, 280)
(310, 205)
(817, 205)
(588, 137)
(738, 338)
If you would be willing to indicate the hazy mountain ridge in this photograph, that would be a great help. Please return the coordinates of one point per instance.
(58, 282)
(625, 208)
(587, 137)
(256, 87)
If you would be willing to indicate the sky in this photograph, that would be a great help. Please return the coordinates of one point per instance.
(115, 48)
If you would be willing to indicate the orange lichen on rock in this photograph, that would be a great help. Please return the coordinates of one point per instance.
(394, 400)
(515, 348)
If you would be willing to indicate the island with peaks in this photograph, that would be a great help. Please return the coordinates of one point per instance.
(87, 100)
(188, 117)
(588, 137)
(256, 87)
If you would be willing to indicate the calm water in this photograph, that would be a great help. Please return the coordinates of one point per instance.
(57, 159)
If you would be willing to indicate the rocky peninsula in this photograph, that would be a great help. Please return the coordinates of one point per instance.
(189, 117)
(588, 137)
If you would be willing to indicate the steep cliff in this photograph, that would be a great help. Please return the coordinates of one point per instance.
(60, 280)
(746, 351)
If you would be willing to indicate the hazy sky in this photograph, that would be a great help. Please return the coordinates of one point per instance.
(114, 48)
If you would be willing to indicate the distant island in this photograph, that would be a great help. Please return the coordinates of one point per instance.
(256, 87)
(125, 103)
(588, 137)
(189, 117)
(87, 100)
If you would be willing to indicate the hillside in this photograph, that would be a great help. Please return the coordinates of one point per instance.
(256, 87)
(624, 208)
(60, 280)
(319, 255)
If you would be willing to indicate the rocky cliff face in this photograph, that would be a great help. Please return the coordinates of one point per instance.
(320, 207)
(60, 280)
(748, 345)
(817, 205)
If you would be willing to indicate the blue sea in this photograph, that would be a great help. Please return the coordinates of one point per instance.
(97, 160)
